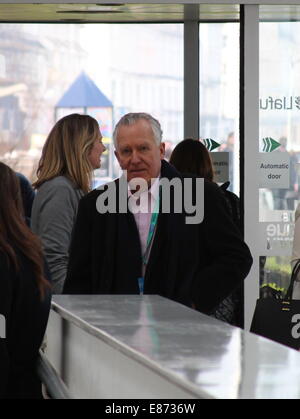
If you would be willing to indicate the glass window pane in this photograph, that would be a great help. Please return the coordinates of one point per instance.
(137, 67)
(279, 146)
(219, 94)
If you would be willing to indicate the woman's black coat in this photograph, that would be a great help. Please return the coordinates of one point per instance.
(26, 317)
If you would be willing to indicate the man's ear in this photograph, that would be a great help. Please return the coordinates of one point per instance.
(162, 148)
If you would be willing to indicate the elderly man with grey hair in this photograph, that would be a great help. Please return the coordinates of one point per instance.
(144, 246)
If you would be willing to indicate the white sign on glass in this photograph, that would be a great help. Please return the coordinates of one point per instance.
(220, 162)
(274, 170)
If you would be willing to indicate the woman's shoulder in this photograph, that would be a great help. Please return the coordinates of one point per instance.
(59, 187)
(25, 267)
(58, 181)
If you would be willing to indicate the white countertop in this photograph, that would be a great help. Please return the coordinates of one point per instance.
(207, 357)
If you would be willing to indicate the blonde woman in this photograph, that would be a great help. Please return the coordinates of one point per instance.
(72, 151)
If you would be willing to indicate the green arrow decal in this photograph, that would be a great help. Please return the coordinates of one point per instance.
(270, 144)
(210, 144)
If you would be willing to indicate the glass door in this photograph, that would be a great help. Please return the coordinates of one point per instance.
(279, 144)
(219, 98)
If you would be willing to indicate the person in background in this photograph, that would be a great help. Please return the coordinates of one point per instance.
(71, 152)
(24, 295)
(192, 157)
(155, 251)
(285, 199)
(228, 146)
(27, 194)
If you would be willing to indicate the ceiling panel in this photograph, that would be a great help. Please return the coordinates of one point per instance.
(115, 12)
(279, 13)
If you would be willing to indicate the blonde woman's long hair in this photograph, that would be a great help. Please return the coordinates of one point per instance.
(66, 151)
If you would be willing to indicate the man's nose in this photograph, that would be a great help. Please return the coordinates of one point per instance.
(135, 157)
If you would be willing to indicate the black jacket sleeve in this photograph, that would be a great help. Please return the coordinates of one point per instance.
(228, 258)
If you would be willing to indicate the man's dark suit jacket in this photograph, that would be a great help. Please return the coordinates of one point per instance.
(199, 264)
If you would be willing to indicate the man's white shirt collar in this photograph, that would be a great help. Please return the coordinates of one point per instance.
(144, 197)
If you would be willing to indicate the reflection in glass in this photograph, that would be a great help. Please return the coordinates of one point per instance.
(274, 275)
(279, 122)
(280, 103)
